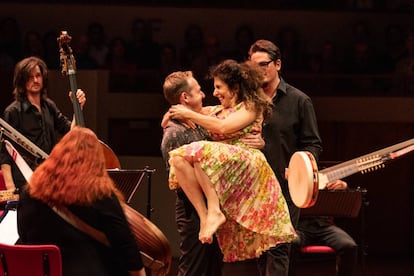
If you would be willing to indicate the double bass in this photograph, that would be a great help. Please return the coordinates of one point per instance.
(154, 246)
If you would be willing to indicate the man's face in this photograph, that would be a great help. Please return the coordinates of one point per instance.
(270, 68)
(34, 84)
(195, 96)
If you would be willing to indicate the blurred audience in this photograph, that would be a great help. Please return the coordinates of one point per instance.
(32, 44)
(141, 49)
(10, 42)
(243, 38)
(98, 48)
(122, 70)
(138, 61)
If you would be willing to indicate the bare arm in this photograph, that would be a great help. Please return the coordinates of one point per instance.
(167, 117)
(140, 272)
(234, 122)
(7, 175)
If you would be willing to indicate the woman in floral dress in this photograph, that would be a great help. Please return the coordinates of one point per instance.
(245, 206)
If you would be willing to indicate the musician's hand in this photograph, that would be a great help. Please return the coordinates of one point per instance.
(337, 185)
(254, 141)
(80, 95)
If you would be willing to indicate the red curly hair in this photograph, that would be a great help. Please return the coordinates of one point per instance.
(74, 173)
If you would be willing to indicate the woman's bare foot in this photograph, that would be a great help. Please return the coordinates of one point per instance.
(214, 220)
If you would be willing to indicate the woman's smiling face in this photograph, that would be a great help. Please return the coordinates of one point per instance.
(222, 92)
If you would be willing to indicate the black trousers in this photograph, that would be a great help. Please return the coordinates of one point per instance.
(196, 259)
(318, 230)
(275, 262)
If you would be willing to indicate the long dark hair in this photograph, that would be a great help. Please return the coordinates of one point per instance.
(22, 72)
(247, 77)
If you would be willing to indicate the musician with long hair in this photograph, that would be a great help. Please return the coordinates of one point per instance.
(33, 114)
(74, 176)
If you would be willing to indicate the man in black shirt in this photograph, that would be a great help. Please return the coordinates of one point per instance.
(293, 127)
(32, 114)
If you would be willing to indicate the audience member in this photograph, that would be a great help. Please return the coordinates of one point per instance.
(51, 50)
(169, 59)
(290, 44)
(10, 39)
(405, 67)
(32, 44)
(243, 38)
(141, 48)
(406, 64)
(193, 50)
(394, 45)
(80, 47)
(122, 72)
(98, 48)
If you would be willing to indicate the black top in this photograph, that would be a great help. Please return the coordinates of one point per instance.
(81, 254)
(176, 134)
(293, 127)
(41, 128)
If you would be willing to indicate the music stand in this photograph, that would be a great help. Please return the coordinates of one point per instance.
(336, 203)
(346, 204)
(128, 182)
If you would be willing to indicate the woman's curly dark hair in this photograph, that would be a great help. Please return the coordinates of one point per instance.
(247, 77)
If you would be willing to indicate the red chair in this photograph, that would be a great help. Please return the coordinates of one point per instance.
(2, 187)
(33, 260)
(317, 249)
(2, 184)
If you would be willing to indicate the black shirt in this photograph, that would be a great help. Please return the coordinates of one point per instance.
(41, 128)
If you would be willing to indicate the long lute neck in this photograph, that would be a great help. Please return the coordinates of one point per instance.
(366, 163)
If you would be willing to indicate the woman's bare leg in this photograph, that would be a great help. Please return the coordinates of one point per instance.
(215, 218)
(187, 180)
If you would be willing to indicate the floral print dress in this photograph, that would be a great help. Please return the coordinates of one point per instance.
(249, 192)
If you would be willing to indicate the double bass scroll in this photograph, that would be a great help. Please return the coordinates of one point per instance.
(68, 63)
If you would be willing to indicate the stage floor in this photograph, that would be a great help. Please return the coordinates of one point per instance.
(374, 266)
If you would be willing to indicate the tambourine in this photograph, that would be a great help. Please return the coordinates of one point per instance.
(303, 179)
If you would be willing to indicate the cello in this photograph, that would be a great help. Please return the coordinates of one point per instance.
(155, 249)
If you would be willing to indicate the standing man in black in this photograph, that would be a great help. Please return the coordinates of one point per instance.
(195, 258)
(293, 127)
(33, 114)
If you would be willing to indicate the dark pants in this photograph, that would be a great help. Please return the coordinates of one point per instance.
(318, 231)
(196, 259)
(275, 262)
